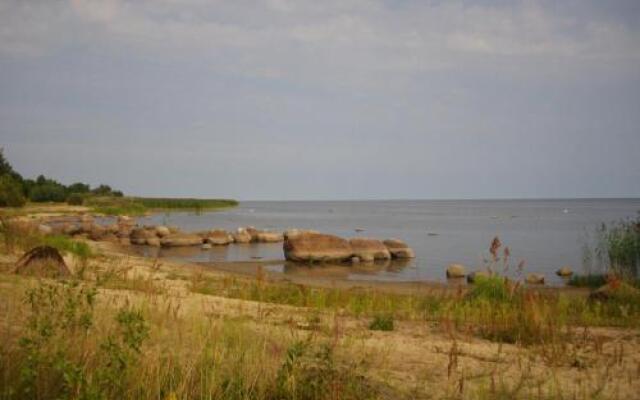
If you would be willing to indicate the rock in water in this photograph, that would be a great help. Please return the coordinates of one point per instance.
(535, 279)
(43, 261)
(162, 231)
(313, 247)
(180, 240)
(399, 249)
(564, 272)
(269, 237)
(368, 250)
(456, 271)
(241, 236)
(219, 237)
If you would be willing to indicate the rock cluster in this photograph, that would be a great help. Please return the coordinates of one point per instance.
(298, 245)
(306, 246)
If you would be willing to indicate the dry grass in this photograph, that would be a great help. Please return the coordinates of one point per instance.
(132, 328)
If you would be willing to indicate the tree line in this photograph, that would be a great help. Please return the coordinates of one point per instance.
(15, 190)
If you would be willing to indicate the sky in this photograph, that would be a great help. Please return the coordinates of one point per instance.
(333, 99)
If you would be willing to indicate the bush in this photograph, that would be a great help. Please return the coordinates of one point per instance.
(492, 289)
(10, 192)
(382, 323)
(75, 199)
(49, 191)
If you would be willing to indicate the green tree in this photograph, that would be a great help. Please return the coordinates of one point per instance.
(10, 192)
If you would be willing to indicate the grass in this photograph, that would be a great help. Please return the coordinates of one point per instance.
(117, 331)
(141, 205)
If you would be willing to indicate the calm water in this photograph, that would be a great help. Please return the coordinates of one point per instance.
(547, 234)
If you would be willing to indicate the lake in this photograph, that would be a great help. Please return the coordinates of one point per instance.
(546, 234)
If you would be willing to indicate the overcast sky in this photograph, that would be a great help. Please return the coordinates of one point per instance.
(332, 99)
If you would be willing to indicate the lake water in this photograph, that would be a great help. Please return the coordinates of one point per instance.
(547, 234)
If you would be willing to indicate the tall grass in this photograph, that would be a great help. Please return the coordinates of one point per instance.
(185, 203)
(60, 343)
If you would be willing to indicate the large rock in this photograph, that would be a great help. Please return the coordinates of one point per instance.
(368, 250)
(291, 233)
(535, 279)
(564, 272)
(97, 232)
(399, 249)
(162, 231)
(313, 247)
(153, 241)
(43, 261)
(456, 271)
(219, 237)
(181, 239)
(253, 232)
(269, 237)
(241, 236)
(139, 236)
(44, 229)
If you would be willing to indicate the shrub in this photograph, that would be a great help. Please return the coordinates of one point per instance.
(10, 192)
(492, 289)
(382, 323)
(49, 191)
(75, 199)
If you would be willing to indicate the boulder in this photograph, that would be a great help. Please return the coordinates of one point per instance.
(253, 232)
(312, 247)
(219, 237)
(290, 233)
(368, 250)
(535, 279)
(269, 237)
(45, 229)
(71, 229)
(43, 261)
(181, 239)
(355, 260)
(162, 231)
(206, 246)
(456, 271)
(241, 236)
(138, 236)
(97, 233)
(399, 249)
(473, 277)
(564, 272)
(153, 241)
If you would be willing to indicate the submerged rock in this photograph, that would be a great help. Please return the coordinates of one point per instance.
(399, 249)
(313, 247)
(368, 250)
(180, 240)
(456, 271)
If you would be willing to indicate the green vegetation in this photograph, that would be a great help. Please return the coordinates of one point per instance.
(15, 191)
(184, 203)
(70, 349)
(591, 281)
(382, 323)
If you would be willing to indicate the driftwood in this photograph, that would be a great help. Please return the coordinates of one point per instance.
(44, 261)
